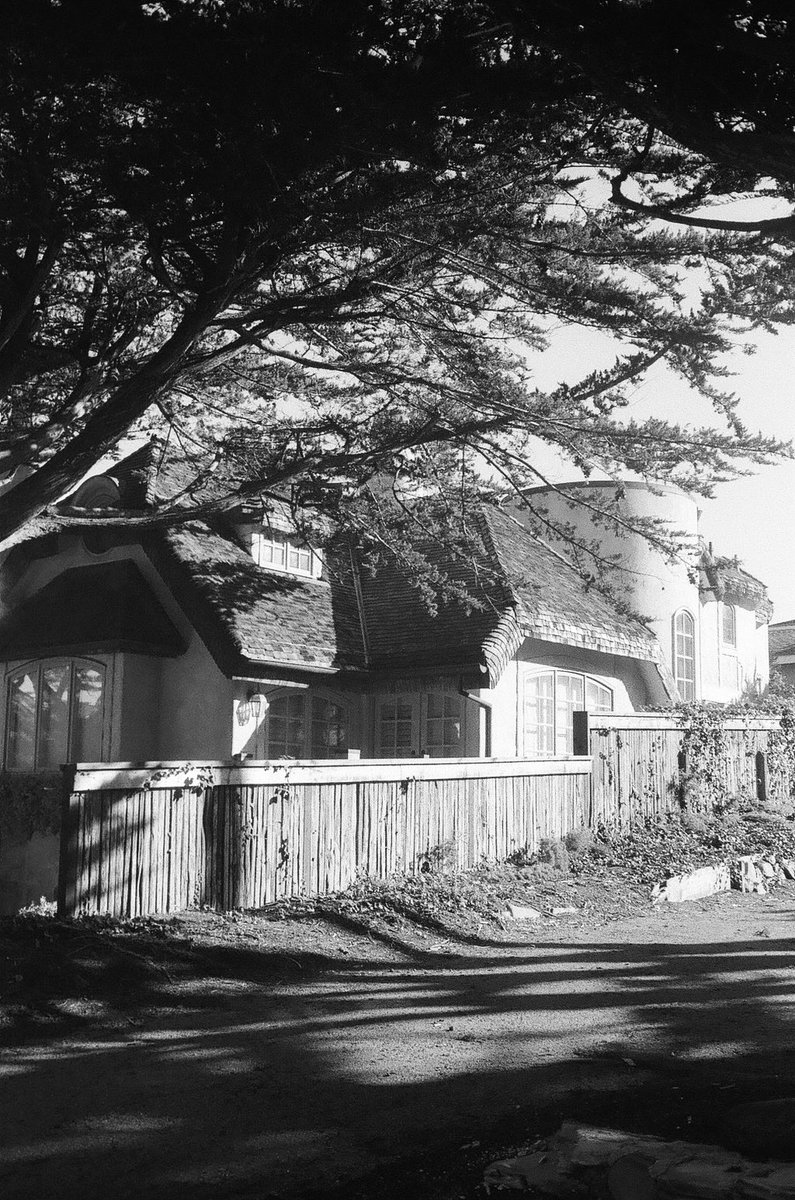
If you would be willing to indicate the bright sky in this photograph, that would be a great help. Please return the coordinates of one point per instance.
(751, 517)
(754, 517)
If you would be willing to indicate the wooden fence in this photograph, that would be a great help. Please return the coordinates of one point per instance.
(139, 840)
(640, 768)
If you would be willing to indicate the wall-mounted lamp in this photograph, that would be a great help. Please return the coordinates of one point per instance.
(257, 704)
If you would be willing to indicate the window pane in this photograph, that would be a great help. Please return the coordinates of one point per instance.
(87, 715)
(539, 714)
(298, 558)
(598, 698)
(685, 655)
(329, 729)
(570, 696)
(21, 724)
(443, 725)
(729, 625)
(396, 728)
(286, 727)
(53, 732)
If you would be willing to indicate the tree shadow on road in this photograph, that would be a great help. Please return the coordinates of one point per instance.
(321, 1071)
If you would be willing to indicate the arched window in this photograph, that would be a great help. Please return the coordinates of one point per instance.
(685, 654)
(729, 625)
(55, 713)
(550, 700)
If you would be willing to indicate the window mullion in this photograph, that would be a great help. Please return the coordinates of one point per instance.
(37, 723)
(70, 716)
(309, 725)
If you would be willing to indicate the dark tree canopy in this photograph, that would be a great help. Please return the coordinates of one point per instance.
(312, 241)
(717, 76)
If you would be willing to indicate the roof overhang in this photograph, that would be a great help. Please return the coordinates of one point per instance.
(85, 610)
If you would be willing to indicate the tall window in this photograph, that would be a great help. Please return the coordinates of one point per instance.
(550, 700)
(287, 727)
(303, 726)
(729, 625)
(397, 727)
(685, 654)
(329, 729)
(54, 714)
(443, 725)
(430, 723)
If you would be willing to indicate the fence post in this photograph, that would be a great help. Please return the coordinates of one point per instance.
(68, 850)
(582, 733)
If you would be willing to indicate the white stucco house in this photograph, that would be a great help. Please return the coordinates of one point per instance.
(207, 640)
(232, 638)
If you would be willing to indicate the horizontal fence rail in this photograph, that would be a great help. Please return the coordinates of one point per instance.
(154, 837)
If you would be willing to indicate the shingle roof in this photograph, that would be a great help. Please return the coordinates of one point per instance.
(781, 638)
(727, 579)
(250, 615)
(552, 601)
(402, 630)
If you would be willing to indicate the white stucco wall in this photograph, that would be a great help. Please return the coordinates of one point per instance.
(728, 672)
(625, 678)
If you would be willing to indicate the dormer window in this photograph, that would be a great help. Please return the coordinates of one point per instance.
(280, 552)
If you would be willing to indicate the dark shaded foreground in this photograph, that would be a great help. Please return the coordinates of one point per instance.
(333, 1064)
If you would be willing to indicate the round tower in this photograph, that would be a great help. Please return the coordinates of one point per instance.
(662, 590)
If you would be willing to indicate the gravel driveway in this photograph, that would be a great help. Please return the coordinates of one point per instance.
(244, 1084)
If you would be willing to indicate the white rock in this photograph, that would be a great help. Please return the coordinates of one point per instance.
(520, 912)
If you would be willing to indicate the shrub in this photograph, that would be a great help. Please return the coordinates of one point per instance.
(554, 852)
(580, 841)
(694, 822)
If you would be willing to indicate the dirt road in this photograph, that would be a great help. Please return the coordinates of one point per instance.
(313, 1054)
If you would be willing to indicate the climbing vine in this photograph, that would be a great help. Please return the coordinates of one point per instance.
(705, 748)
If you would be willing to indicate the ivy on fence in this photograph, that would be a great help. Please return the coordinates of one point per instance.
(707, 749)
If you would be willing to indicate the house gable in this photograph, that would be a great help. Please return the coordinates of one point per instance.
(105, 607)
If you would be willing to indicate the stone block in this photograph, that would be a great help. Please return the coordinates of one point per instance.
(749, 875)
(706, 881)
